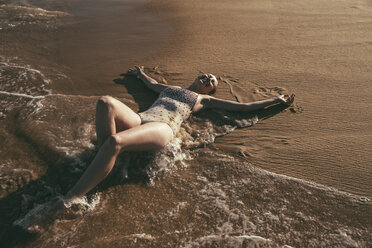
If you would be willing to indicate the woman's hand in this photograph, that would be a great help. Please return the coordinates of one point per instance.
(286, 99)
(135, 71)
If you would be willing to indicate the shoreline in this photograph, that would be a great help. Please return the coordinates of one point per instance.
(184, 52)
(298, 177)
(179, 68)
(261, 50)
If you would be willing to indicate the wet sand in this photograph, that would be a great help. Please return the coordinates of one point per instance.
(319, 51)
(90, 44)
(203, 191)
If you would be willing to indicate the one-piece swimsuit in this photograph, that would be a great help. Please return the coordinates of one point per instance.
(173, 106)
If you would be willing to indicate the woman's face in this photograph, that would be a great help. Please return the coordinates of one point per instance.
(206, 83)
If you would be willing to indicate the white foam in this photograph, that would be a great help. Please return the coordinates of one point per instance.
(81, 206)
(214, 195)
(25, 75)
(85, 204)
(175, 211)
(136, 236)
(206, 131)
(16, 15)
(20, 95)
(167, 159)
(345, 238)
(229, 241)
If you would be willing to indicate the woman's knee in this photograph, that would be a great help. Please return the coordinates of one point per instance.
(114, 143)
(106, 102)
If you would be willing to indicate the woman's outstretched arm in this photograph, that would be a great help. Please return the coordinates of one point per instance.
(149, 81)
(212, 102)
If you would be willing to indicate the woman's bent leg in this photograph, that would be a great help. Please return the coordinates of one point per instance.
(113, 116)
(151, 136)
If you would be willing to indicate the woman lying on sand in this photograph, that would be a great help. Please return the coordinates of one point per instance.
(121, 129)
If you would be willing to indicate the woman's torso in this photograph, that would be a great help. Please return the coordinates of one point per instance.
(173, 106)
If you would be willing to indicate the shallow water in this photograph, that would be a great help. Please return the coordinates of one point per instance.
(204, 189)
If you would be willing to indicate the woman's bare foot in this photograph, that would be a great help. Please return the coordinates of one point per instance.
(34, 229)
(286, 99)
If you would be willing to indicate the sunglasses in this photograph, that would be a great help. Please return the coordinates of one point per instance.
(213, 81)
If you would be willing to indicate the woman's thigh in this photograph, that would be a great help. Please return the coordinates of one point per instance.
(124, 116)
(150, 136)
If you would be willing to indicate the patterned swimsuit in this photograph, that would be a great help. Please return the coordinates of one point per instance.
(173, 106)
